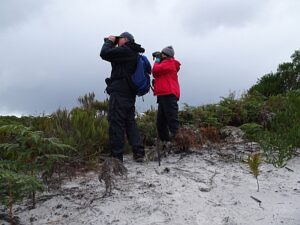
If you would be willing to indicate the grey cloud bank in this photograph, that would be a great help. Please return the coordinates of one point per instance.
(50, 49)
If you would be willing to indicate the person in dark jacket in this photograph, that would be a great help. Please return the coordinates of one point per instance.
(122, 52)
(167, 90)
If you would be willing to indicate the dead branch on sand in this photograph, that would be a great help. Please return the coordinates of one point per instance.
(109, 170)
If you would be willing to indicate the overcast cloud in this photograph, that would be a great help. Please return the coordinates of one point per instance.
(50, 49)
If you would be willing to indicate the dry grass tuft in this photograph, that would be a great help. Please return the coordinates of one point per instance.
(185, 139)
(211, 134)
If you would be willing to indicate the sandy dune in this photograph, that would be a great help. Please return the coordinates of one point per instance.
(200, 189)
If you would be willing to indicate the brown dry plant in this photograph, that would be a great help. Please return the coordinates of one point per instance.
(254, 161)
(211, 134)
(108, 172)
(185, 139)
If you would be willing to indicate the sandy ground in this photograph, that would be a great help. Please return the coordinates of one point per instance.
(193, 189)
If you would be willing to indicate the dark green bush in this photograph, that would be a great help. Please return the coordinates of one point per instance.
(276, 148)
(147, 126)
(22, 159)
(286, 120)
(84, 128)
(252, 131)
(14, 187)
(286, 78)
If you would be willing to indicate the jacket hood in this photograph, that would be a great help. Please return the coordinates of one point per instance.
(177, 64)
(135, 47)
(175, 61)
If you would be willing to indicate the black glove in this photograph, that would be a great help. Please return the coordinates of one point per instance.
(108, 81)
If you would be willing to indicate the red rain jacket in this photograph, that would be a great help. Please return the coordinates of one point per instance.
(166, 78)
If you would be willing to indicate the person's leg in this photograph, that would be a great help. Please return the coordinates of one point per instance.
(116, 126)
(171, 112)
(161, 120)
(132, 130)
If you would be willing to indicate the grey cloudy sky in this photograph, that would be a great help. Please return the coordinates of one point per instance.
(49, 50)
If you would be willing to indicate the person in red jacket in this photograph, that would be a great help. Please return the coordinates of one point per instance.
(167, 90)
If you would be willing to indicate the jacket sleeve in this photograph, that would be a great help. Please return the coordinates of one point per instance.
(111, 53)
(162, 68)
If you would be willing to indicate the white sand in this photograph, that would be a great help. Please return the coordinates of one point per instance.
(198, 189)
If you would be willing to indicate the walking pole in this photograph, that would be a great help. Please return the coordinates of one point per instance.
(158, 151)
(157, 138)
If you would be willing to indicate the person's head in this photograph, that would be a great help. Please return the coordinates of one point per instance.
(124, 38)
(168, 52)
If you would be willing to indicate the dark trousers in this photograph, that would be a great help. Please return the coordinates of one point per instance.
(121, 118)
(167, 117)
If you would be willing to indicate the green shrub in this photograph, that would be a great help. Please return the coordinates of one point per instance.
(187, 115)
(276, 149)
(252, 106)
(5, 120)
(201, 116)
(14, 187)
(234, 108)
(252, 130)
(287, 117)
(23, 158)
(284, 80)
(147, 126)
(84, 127)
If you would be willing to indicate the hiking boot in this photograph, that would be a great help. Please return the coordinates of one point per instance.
(138, 158)
(117, 156)
(167, 147)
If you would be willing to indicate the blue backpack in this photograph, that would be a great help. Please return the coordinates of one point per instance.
(141, 77)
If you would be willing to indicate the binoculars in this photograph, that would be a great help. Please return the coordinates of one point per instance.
(156, 54)
(116, 40)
